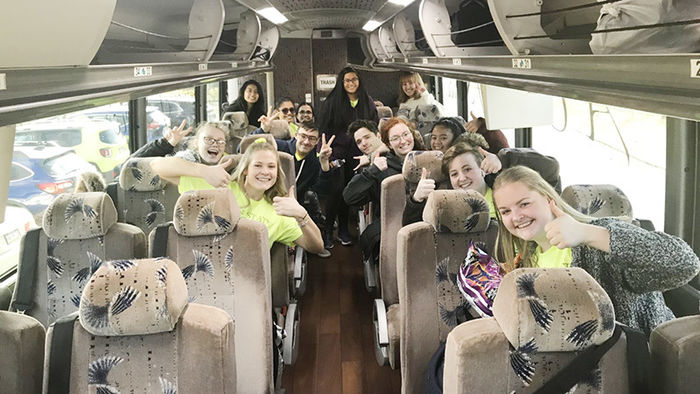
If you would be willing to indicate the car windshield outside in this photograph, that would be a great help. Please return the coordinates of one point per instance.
(62, 137)
(109, 136)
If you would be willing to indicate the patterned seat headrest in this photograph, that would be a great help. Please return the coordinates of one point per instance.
(137, 175)
(415, 161)
(457, 211)
(235, 159)
(546, 166)
(249, 139)
(425, 117)
(384, 112)
(239, 122)
(206, 212)
(279, 128)
(79, 216)
(133, 297)
(553, 309)
(598, 200)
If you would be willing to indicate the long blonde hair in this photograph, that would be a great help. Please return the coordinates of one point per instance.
(409, 76)
(507, 243)
(241, 172)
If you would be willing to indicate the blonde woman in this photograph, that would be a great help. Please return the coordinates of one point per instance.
(538, 229)
(258, 186)
(412, 93)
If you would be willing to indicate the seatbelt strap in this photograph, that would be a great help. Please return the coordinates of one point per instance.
(579, 367)
(160, 241)
(638, 361)
(24, 288)
(61, 353)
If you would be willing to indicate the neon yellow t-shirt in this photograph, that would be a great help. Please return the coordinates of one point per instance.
(553, 257)
(353, 103)
(281, 229)
(293, 127)
(489, 199)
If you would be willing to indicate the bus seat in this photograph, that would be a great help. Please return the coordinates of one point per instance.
(514, 351)
(143, 199)
(22, 353)
(425, 116)
(429, 256)
(675, 351)
(79, 232)
(150, 339)
(598, 200)
(249, 139)
(239, 123)
(226, 262)
(279, 128)
(233, 140)
(384, 112)
(546, 166)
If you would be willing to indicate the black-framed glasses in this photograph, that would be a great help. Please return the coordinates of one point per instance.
(305, 112)
(301, 136)
(287, 110)
(351, 80)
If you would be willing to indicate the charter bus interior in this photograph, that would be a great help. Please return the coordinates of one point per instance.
(609, 89)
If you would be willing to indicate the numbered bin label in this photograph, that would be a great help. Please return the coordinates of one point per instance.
(522, 63)
(694, 68)
(145, 71)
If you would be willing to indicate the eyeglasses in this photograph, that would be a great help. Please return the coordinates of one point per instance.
(406, 136)
(351, 80)
(211, 141)
(287, 110)
(312, 139)
(305, 112)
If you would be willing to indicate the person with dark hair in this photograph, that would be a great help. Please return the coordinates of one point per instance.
(347, 101)
(251, 100)
(366, 136)
(305, 113)
(284, 110)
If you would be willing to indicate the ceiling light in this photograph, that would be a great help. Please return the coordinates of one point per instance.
(273, 15)
(401, 2)
(370, 25)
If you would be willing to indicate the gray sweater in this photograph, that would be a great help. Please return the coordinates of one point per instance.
(641, 264)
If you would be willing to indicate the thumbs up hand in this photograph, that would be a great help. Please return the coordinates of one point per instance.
(217, 175)
(491, 163)
(425, 186)
(288, 206)
(564, 231)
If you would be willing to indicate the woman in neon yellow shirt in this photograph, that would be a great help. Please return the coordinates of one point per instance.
(258, 186)
(632, 264)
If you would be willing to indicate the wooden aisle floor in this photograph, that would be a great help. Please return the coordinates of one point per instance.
(336, 351)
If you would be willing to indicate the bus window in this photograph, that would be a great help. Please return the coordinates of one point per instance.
(475, 105)
(176, 105)
(213, 107)
(602, 144)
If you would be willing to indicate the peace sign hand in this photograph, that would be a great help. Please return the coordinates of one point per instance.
(326, 149)
(564, 231)
(174, 136)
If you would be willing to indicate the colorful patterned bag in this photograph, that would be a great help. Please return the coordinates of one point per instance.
(478, 279)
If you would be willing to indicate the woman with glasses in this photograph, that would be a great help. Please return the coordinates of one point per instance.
(250, 100)
(347, 102)
(206, 147)
(284, 110)
(305, 113)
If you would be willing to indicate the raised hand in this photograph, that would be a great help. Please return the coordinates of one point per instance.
(266, 120)
(424, 188)
(326, 150)
(564, 231)
(364, 161)
(217, 175)
(491, 163)
(381, 163)
(288, 206)
(174, 136)
(474, 124)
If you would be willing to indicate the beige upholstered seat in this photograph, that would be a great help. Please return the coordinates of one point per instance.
(249, 139)
(21, 353)
(393, 201)
(598, 200)
(384, 112)
(542, 317)
(546, 166)
(79, 232)
(279, 128)
(143, 199)
(429, 255)
(675, 352)
(425, 116)
(239, 123)
(225, 260)
(136, 332)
